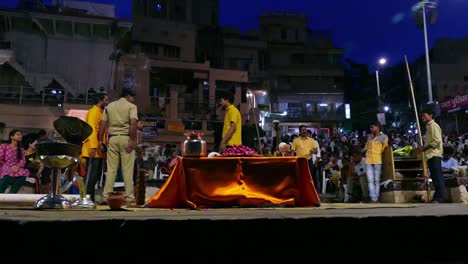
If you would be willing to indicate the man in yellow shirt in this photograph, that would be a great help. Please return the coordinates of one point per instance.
(90, 150)
(375, 146)
(305, 146)
(433, 152)
(232, 128)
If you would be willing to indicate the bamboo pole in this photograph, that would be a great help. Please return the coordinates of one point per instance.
(417, 124)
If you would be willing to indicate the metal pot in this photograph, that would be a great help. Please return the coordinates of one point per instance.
(194, 145)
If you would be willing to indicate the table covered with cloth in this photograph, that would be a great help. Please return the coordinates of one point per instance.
(221, 182)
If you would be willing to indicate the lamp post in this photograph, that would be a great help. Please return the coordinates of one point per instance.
(382, 62)
(424, 5)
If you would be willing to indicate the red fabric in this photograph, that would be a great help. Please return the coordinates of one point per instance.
(237, 181)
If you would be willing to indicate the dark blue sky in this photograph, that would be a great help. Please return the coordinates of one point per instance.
(366, 29)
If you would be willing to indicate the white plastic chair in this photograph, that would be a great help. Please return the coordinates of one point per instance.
(324, 182)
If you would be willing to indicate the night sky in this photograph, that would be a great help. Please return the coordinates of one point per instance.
(366, 29)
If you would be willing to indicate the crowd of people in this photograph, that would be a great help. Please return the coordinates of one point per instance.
(350, 162)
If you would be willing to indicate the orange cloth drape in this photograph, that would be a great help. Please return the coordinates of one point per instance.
(237, 181)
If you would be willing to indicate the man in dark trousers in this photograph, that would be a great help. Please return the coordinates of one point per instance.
(433, 152)
(90, 150)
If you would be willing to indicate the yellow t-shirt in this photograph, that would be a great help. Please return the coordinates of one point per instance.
(233, 115)
(375, 148)
(303, 146)
(93, 118)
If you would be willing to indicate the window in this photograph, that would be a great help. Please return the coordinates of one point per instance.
(150, 48)
(232, 63)
(244, 64)
(64, 28)
(83, 29)
(297, 58)
(101, 31)
(465, 78)
(322, 107)
(179, 11)
(283, 34)
(172, 51)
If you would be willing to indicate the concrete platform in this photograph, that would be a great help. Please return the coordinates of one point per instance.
(334, 231)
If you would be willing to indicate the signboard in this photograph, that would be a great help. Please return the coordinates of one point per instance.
(150, 129)
(454, 103)
(176, 127)
(381, 118)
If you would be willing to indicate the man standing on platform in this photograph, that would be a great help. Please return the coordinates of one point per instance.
(232, 129)
(121, 118)
(90, 150)
(305, 146)
(375, 146)
(433, 152)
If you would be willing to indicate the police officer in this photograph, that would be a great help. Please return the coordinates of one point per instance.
(120, 117)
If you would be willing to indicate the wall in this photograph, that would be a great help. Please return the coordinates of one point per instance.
(28, 117)
(82, 63)
(153, 30)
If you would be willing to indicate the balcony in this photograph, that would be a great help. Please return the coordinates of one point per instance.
(303, 116)
(25, 95)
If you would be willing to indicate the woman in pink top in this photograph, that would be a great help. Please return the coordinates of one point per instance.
(12, 163)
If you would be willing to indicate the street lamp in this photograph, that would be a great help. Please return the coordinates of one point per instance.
(423, 5)
(382, 62)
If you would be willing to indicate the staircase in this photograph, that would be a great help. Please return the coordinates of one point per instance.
(36, 80)
(6, 51)
(39, 80)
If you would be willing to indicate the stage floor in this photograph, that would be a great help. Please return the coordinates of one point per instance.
(326, 210)
(335, 231)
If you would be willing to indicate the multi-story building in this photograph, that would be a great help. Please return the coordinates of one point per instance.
(170, 68)
(54, 55)
(296, 74)
(449, 62)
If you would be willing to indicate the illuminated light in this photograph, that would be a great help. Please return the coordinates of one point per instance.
(323, 104)
(382, 61)
(264, 93)
(347, 111)
(386, 108)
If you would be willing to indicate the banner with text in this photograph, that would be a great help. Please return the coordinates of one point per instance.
(454, 103)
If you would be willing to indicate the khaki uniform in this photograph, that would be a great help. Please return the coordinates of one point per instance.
(118, 115)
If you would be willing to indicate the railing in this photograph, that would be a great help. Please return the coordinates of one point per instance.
(309, 116)
(47, 96)
(6, 45)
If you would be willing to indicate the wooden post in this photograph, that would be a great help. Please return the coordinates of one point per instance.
(421, 143)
